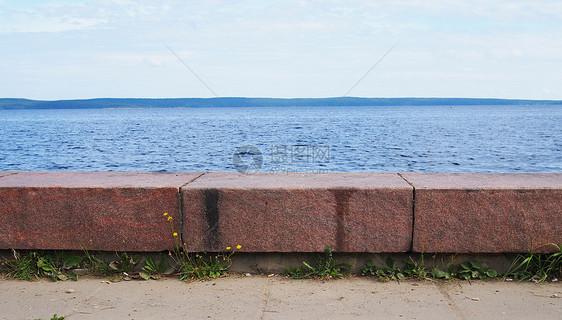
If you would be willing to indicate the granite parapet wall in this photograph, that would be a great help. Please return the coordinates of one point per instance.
(105, 211)
(351, 212)
(486, 213)
(269, 212)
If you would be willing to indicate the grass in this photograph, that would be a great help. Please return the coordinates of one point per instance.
(21, 267)
(55, 317)
(417, 269)
(35, 265)
(537, 267)
(96, 266)
(198, 265)
(59, 266)
(324, 267)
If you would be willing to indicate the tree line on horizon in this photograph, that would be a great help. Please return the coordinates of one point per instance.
(100, 103)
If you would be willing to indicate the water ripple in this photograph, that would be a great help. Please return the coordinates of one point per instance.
(424, 139)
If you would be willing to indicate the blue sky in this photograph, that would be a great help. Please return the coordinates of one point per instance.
(63, 49)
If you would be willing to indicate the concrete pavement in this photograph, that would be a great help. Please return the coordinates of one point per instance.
(262, 297)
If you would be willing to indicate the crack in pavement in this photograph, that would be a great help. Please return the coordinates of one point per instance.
(457, 313)
(264, 300)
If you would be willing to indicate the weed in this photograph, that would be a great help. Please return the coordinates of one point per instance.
(153, 270)
(441, 274)
(536, 266)
(55, 317)
(297, 272)
(195, 265)
(418, 269)
(22, 267)
(325, 266)
(389, 272)
(35, 265)
(125, 264)
(474, 270)
(203, 266)
(95, 265)
(56, 266)
(414, 268)
(438, 273)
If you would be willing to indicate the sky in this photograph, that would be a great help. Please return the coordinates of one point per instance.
(65, 49)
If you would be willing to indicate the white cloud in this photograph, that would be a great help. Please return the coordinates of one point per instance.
(497, 10)
(275, 48)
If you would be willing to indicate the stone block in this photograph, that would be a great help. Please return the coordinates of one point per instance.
(7, 173)
(89, 210)
(486, 213)
(268, 212)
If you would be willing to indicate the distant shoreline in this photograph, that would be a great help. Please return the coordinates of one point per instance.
(105, 103)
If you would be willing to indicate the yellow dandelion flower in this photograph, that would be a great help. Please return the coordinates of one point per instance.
(169, 218)
(175, 234)
(227, 248)
(238, 246)
(165, 214)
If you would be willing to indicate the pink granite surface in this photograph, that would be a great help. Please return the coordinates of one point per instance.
(7, 173)
(89, 210)
(486, 213)
(351, 212)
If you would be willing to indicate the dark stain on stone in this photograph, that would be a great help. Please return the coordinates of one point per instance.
(212, 239)
(469, 190)
(342, 197)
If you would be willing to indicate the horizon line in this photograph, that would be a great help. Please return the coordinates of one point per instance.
(276, 98)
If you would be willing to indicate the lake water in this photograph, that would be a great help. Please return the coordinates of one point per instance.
(497, 139)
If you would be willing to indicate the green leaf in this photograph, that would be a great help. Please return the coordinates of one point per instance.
(72, 276)
(464, 276)
(452, 270)
(62, 277)
(344, 266)
(71, 262)
(390, 263)
(440, 274)
(43, 264)
(169, 270)
(491, 273)
(145, 275)
(308, 266)
(114, 265)
(476, 265)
